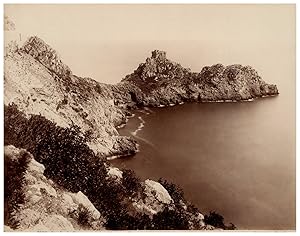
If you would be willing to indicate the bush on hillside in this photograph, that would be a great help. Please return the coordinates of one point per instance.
(14, 171)
(84, 216)
(131, 183)
(63, 151)
(217, 221)
(170, 219)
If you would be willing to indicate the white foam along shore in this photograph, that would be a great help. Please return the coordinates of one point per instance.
(126, 120)
(245, 100)
(121, 156)
(147, 111)
(140, 127)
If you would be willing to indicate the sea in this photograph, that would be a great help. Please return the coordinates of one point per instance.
(234, 158)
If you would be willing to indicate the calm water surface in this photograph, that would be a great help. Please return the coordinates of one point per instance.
(235, 158)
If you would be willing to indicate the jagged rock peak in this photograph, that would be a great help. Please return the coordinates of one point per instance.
(156, 68)
(46, 55)
(157, 54)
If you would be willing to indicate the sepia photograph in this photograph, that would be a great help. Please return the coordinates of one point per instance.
(153, 117)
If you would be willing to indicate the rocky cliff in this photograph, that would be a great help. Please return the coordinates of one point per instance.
(38, 82)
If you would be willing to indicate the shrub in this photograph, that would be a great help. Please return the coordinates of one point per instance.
(170, 219)
(126, 221)
(131, 182)
(14, 171)
(84, 216)
(217, 221)
(63, 151)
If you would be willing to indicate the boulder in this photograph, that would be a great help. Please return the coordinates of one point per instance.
(158, 191)
(35, 166)
(156, 198)
(80, 198)
(115, 172)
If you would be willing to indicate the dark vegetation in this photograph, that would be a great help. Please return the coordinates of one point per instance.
(73, 165)
(69, 161)
(175, 191)
(177, 195)
(217, 221)
(171, 219)
(83, 216)
(14, 170)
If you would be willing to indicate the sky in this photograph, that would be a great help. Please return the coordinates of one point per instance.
(106, 42)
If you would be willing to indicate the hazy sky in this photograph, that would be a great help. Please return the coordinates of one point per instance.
(106, 42)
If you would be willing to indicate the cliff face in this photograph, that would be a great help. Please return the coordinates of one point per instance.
(47, 56)
(38, 82)
(160, 81)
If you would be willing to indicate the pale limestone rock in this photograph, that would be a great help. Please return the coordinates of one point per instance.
(12, 152)
(115, 172)
(38, 228)
(30, 179)
(29, 217)
(68, 204)
(58, 223)
(35, 166)
(33, 199)
(157, 197)
(52, 223)
(160, 193)
(42, 187)
(80, 198)
(141, 206)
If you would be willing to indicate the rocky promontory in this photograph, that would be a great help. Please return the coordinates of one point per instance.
(161, 82)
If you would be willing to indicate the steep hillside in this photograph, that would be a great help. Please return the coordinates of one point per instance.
(37, 81)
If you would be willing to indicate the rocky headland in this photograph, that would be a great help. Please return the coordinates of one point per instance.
(66, 126)
(161, 82)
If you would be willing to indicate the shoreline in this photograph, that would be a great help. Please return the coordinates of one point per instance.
(146, 108)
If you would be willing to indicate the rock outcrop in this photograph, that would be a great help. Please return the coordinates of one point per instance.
(47, 56)
(47, 206)
(161, 82)
(155, 200)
